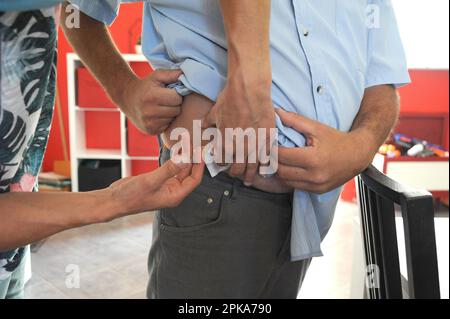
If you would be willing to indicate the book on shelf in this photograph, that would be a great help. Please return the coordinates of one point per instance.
(50, 181)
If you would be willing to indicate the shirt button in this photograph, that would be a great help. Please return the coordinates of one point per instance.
(320, 89)
(305, 32)
(226, 193)
(210, 201)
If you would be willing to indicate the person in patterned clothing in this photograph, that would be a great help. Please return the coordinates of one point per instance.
(28, 52)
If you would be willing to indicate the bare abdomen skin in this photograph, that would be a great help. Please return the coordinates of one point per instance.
(195, 107)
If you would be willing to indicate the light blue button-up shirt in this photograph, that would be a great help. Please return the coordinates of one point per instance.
(324, 54)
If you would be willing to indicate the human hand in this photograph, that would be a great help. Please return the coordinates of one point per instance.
(330, 158)
(241, 107)
(149, 104)
(165, 187)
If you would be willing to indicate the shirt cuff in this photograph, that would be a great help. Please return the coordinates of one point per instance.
(98, 10)
(397, 80)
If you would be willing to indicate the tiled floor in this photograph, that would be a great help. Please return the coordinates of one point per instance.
(112, 259)
(329, 277)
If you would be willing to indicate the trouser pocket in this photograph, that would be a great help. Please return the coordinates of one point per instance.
(200, 210)
(230, 254)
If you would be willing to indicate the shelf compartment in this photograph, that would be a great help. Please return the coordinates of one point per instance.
(139, 167)
(102, 130)
(99, 154)
(97, 174)
(141, 144)
(90, 93)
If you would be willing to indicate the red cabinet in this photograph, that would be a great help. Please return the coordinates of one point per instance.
(102, 130)
(139, 167)
(139, 143)
(90, 93)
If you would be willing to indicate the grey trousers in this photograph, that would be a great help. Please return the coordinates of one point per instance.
(225, 241)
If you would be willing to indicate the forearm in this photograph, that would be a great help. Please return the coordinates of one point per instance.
(247, 25)
(29, 217)
(377, 117)
(93, 43)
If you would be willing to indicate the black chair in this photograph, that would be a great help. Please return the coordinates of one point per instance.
(377, 195)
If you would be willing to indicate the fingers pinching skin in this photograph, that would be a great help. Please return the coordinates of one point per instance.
(166, 172)
(250, 174)
(237, 170)
(166, 76)
(168, 97)
(191, 182)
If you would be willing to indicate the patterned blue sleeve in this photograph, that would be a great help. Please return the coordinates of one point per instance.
(25, 5)
(387, 60)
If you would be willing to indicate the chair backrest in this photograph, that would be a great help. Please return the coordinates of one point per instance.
(377, 195)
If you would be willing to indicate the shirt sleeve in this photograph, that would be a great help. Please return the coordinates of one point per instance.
(105, 11)
(386, 56)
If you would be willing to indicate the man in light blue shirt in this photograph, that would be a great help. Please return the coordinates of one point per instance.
(333, 66)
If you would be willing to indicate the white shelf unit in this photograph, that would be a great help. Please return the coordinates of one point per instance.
(77, 127)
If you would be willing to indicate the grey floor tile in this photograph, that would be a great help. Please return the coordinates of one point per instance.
(96, 250)
(329, 277)
(139, 295)
(134, 269)
(107, 284)
(43, 290)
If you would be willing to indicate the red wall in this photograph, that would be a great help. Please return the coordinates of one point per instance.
(126, 31)
(428, 93)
